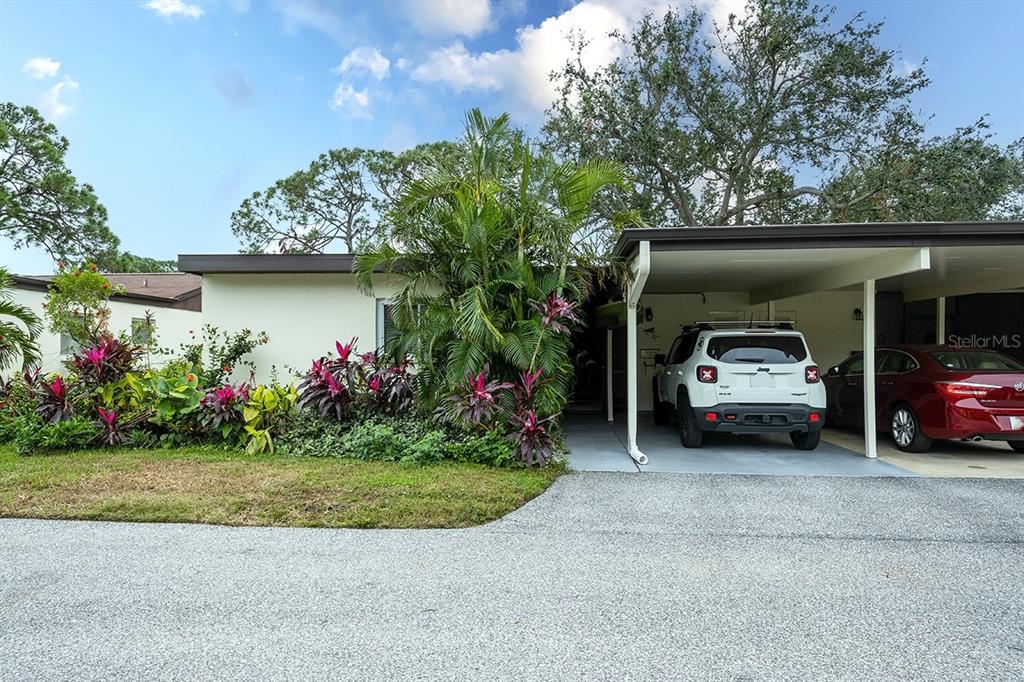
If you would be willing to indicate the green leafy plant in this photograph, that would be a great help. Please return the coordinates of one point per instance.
(174, 400)
(266, 415)
(219, 353)
(19, 329)
(491, 448)
(311, 436)
(77, 304)
(34, 437)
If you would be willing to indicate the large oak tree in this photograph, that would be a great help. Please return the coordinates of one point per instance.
(715, 122)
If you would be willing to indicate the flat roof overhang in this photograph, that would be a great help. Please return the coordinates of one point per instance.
(922, 260)
(244, 263)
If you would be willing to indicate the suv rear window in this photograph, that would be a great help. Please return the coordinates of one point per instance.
(975, 360)
(758, 349)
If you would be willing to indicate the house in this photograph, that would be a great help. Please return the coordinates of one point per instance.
(847, 287)
(173, 299)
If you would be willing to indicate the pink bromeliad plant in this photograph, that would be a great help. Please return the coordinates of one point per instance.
(477, 403)
(223, 408)
(107, 422)
(54, 401)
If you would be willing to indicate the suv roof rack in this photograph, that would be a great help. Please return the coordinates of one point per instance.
(710, 325)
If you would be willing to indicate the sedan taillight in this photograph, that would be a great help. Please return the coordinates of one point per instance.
(706, 374)
(811, 374)
(955, 390)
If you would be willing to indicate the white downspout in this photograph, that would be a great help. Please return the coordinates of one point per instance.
(940, 320)
(641, 269)
(870, 427)
(608, 380)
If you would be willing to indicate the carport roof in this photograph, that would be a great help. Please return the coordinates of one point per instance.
(822, 236)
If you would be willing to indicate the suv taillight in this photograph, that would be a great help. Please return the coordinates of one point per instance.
(706, 374)
(811, 374)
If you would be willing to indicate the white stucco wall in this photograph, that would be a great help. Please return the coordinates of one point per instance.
(303, 315)
(172, 326)
(826, 320)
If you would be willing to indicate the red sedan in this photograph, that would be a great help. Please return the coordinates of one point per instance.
(928, 392)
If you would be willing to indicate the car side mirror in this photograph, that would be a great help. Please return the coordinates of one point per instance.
(833, 371)
(660, 359)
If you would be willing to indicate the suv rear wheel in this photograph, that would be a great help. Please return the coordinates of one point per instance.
(806, 440)
(690, 434)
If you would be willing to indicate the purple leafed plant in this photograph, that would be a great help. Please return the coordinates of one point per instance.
(532, 438)
(54, 401)
(556, 312)
(476, 404)
(328, 389)
(112, 433)
(222, 408)
(108, 361)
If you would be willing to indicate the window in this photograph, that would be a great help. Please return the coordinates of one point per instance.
(68, 346)
(896, 362)
(385, 325)
(683, 348)
(854, 365)
(768, 350)
(976, 360)
(142, 331)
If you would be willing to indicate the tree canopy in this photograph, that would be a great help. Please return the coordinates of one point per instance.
(335, 204)
(722, 124)
(41, 203)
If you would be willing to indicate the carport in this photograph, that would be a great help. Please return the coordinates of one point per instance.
(764, 265)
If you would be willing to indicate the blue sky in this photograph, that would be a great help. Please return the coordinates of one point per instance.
(178, 109)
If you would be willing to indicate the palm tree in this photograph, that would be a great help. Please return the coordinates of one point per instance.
(19, 329)
(474, 241)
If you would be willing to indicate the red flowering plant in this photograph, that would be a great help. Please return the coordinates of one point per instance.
(223, 409)
(53, 400)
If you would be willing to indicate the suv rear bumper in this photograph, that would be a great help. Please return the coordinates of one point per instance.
(759, 418)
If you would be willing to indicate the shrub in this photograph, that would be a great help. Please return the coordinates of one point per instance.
(476, 405)
(112, 433)
(174, 400)
(313, 436)
(266, 415)
(54, 400)
(107, 362)
(376, 440)
(224, 352)
(222, 409)
(491, 448)
(76, 304)
(34, 437)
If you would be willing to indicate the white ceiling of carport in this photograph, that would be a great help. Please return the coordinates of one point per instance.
(953, 270)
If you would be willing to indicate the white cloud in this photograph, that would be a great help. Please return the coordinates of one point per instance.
(525, 71)
(353, 103)
(450, 17)
(240, 6)
(401, 63)
(41, 67)
(299, 14)
(365, 60)
(54, 108)
(175, 8)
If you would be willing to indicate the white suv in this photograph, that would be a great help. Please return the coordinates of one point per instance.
(758, 379)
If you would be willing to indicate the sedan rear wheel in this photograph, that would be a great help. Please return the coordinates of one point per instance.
(906, 431)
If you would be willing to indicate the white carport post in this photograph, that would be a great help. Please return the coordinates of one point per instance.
(940, 320)
(608, 380)
(641, 268)
(870, 434)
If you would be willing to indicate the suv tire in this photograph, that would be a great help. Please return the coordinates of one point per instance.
(805, 440)
(690, 434)
(660, 409)
(906, 432)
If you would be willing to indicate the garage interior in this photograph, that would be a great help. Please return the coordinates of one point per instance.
(848, 288)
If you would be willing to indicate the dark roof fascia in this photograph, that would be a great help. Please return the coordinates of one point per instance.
(35, 284)
(203, 264)
(819, 236)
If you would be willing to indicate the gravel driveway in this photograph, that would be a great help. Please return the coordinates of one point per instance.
(606, 576)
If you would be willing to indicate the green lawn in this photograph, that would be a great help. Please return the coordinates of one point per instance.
(207, 486)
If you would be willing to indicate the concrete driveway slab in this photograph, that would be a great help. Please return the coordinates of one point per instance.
(604, 577)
